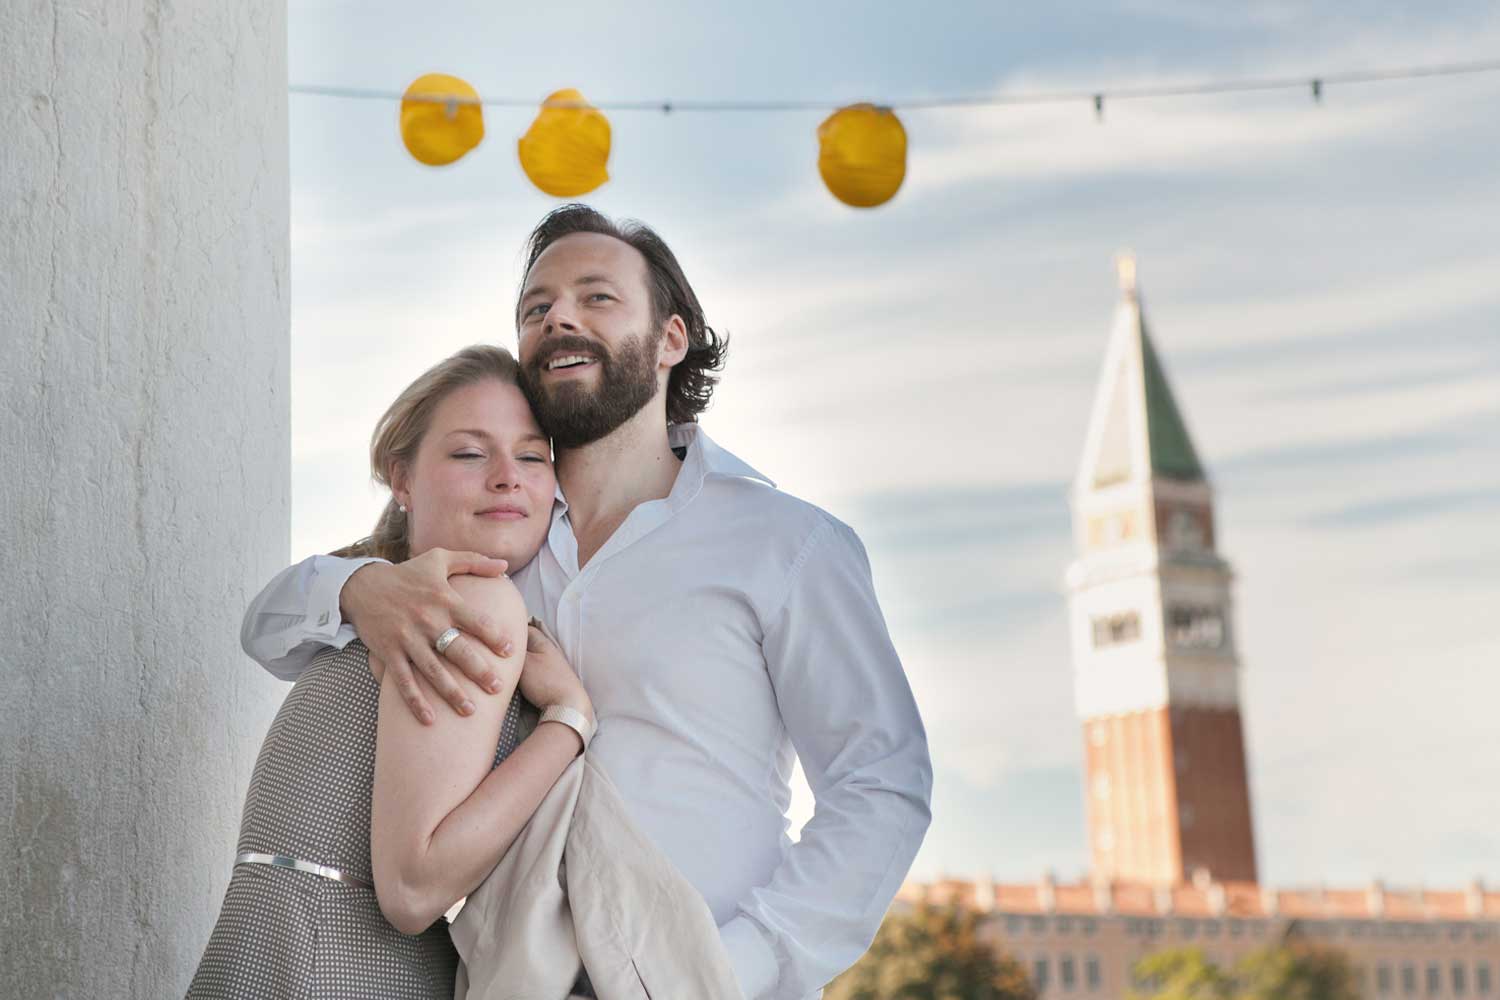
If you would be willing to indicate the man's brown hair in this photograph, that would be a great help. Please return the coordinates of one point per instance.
(691, 383)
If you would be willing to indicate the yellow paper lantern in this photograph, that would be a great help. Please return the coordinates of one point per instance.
(567, 147)
(440, 132)
(862, 154)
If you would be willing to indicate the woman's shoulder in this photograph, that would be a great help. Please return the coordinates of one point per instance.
(496, 595)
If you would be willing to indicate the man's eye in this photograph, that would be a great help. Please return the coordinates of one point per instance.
(533, 458)
(536, 310)
(600, 296)
(467, 454)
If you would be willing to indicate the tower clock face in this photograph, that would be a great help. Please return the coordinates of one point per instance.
(1185, 529)
(1196, 626)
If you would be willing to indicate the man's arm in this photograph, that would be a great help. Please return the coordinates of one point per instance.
(851, 717)
(297, 615)
(399, 611)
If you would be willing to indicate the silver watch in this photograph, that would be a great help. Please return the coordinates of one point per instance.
(573, 719)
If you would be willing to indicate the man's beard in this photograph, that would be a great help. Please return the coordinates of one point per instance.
(571, 413)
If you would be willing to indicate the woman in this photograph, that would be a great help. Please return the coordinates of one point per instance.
(361, 825)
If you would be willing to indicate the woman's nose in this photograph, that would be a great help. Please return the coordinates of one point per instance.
(507, 476)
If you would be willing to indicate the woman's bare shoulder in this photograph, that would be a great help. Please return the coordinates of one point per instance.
(496, 595)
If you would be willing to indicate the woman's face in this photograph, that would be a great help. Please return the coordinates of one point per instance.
(482, 479)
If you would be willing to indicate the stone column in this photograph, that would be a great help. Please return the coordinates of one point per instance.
(144, 472)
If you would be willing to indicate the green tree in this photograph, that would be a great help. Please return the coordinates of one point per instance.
(1296, 972)
(932, 953)
(1291, 971)
(1180, 974)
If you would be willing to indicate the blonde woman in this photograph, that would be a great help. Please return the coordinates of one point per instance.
(362, 826)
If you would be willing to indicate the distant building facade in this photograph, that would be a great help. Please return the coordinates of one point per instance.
(1157, 686)
(1081, 939)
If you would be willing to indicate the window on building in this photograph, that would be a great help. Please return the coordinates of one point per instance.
(1064, 925)
(1458, 979)
(1409, 979)
(1236, 928)
(1013, 926)
(1188, 928)
(1091, 973)
(1383, 979)
(1039, 974)
(1455, 932)
(1067, 975)
(1211, 928)
(1111, 630)
(1193, 626)
(1482, 978)
(1038, 925)
(1434, 979)
(1089, 925)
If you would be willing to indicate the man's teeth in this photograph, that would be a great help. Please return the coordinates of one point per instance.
(567, 360)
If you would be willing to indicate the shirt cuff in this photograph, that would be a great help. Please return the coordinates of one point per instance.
(751, 956)
(330, 573)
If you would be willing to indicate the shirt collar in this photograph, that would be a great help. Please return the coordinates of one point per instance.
(703, 459)
(703, 453)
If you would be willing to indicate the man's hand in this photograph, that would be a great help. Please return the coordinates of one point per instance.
(399, 611)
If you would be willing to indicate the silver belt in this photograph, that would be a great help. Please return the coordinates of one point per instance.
(282, 861)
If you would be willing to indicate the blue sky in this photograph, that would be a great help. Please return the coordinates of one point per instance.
(1320, 281)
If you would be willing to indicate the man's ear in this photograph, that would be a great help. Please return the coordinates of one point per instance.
(674, 343)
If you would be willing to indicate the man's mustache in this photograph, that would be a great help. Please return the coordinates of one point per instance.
(568, 343)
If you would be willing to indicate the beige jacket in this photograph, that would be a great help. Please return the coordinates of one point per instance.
(582, 883)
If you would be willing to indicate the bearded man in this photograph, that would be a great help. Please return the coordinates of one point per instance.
(724, 629)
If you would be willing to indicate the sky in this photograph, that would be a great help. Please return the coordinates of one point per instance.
(1322, 282)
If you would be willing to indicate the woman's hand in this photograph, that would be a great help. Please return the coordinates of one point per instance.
(547, 678)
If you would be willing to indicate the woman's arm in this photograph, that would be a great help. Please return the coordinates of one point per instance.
(441, 818)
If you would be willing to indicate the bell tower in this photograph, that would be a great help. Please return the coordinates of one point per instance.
(1157, 676)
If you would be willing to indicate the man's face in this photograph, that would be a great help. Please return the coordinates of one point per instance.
(588, 344)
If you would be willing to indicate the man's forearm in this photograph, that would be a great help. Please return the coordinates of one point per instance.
(297, 615)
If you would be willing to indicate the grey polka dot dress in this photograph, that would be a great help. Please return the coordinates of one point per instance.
(284, 934)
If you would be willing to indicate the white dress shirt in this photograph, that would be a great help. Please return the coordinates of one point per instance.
(719, 631)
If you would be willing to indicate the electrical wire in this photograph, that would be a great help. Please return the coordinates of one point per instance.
(1096, 96)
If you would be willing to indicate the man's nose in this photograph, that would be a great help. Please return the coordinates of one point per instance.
(560, 317)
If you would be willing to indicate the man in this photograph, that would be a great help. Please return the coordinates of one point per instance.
(717, 623)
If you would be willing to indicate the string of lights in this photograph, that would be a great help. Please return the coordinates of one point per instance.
(861, 146)
(1315, 84)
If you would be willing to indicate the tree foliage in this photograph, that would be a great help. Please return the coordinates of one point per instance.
(1277, 972)
(932, 953)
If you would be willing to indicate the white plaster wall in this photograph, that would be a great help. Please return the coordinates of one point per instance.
(144, 472)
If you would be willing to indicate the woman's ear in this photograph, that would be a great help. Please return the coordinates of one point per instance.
(400, 485)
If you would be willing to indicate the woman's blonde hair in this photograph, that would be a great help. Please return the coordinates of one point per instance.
(400, 430)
